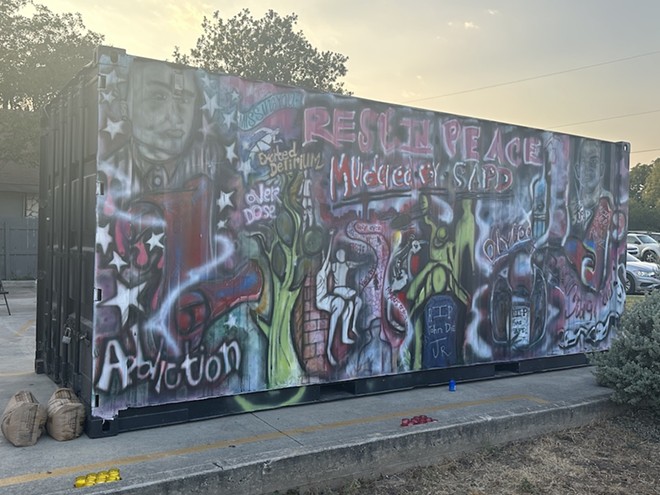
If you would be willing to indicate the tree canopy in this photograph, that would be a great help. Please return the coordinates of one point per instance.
(651, 190)
(638, 177)
(644, 199)
(19, 137)
(39, 53)
(266, 49)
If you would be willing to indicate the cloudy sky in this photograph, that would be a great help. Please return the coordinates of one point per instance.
(585, 67)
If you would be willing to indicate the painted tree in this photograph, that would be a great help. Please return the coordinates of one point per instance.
(447, 258)
(270, 49)
(266, 49)
(288, 245)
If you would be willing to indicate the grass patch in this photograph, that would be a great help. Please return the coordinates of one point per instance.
(631, 300)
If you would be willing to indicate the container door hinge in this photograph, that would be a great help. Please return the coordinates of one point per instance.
(100, 188)
(98, 295)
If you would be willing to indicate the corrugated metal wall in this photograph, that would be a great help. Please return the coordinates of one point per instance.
(211, 239)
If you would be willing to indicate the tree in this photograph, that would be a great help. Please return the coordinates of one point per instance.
(651, 192)
(39, 54)
(638, 177)
(266, 49)
(19, 137)
(644, 199)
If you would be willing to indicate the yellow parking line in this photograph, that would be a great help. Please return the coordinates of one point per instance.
(123, 461)
(83, 468)
(24, 328)
(17, 373)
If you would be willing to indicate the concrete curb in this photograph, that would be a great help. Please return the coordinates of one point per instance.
(305, 468)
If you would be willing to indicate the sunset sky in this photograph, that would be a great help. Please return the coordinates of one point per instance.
(585, 67)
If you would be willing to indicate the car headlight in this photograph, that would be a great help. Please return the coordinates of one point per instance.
(641, 273)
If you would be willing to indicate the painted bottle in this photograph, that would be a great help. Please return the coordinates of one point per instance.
(539, 206)
(520, 319)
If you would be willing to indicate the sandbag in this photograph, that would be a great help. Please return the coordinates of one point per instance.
(24, 419)
(66, 415)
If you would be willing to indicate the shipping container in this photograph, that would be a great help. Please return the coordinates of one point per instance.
(211, 244)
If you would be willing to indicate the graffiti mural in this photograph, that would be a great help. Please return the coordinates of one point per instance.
(256, 237)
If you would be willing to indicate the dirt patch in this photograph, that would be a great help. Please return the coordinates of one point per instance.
(615, 456)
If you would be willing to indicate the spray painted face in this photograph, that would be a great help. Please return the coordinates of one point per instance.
(163, 101)
(590, 167)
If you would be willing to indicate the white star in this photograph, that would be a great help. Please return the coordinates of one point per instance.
(154, 241)
(114, 128)
(107, 97)
(222, 224)
(211, 104)
(103, 238)
(117, 261)
(229, 118)
(245, 168)
(231, 320)
(225, 200)
(231, 154)
(206, 80)
(124, 298)
(234, 95)
(112, 79)
(246, 145)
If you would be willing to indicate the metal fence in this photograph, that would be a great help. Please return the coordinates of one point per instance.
(18, 248)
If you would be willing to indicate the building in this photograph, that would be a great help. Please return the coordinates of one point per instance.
(19, 208)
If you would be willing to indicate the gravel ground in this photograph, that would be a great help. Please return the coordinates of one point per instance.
(616, 456)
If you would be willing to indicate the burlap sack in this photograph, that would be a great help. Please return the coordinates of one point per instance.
(66, 415)
(24, 419)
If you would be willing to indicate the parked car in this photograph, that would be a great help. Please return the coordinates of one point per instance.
(654, 235)
(649, 248)
(633, 249)
(641, 276)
